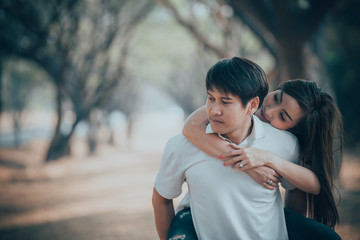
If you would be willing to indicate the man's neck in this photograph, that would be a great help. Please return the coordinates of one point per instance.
(239, 135)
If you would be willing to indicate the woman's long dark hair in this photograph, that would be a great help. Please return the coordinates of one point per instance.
(317, 131)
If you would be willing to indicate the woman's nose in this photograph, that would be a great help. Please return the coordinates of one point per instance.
(269, 112)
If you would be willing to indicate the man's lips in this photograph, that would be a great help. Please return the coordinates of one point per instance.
(216, 120)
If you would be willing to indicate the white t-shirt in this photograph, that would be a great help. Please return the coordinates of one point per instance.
(227, 203)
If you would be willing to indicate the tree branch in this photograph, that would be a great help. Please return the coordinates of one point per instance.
(221, 53)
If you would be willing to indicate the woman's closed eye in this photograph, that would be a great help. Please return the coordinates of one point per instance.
(282, 117)
(276, 98)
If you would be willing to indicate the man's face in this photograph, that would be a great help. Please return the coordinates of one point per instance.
(226, 113)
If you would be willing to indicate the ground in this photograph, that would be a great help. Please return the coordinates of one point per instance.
(107, 196)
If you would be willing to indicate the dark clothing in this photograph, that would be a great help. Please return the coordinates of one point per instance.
(182, 227)
(298, 226)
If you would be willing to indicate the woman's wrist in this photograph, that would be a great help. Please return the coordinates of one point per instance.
(271, 160)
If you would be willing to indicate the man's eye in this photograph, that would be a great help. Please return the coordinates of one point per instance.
(226, 102)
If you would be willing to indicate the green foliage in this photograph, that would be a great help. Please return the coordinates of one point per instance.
(21, 79)
(159, 46)
(164, 53)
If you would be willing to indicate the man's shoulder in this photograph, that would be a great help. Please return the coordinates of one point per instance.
(282, 143)
(178, 140)
(283, 137)
(180, 144)
(274, 132)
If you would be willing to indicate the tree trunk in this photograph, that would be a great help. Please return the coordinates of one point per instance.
(53, 152)
(60, 146)
(16, 120)
(129, 127)
(291, 62)
(1, 88)
(93, 136)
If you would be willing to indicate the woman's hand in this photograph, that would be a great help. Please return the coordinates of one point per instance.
(245, 158)
(252, 160)
(265, 176)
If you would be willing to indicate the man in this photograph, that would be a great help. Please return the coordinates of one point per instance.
(225, 202)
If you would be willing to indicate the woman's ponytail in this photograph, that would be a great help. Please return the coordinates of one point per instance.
(326, 123)
(316, 132)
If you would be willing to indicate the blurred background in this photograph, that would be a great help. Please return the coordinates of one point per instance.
(91, 90)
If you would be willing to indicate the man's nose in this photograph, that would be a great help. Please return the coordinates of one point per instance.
(216, 109)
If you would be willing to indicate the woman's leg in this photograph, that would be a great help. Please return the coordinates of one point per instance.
(182, 227)
(300, 227)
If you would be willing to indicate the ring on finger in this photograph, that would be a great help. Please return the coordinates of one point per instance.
(241, 164)
(270, 182)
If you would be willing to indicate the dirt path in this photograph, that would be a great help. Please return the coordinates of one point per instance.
(108, 197)
(104, 197)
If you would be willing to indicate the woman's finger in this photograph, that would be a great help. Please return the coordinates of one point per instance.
(271, 174)
(277, 176)
(237, 147)
(265, 185)
(240, 164)
(231, 153)
(233, 161)
(274, 182)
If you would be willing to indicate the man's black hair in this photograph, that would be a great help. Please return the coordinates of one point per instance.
(240, 77)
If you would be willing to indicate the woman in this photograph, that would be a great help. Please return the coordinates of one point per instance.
(300, 107)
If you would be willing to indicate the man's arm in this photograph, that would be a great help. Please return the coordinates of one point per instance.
(296, 200)
(164, 214)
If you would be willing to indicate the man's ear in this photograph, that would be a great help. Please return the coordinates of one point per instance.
(253, 105)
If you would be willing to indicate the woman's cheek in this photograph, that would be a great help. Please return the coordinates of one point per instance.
(277, 125)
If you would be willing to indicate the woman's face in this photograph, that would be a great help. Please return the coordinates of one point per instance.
(280, 110)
